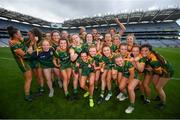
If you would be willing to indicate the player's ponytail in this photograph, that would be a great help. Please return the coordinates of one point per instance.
(159, 57)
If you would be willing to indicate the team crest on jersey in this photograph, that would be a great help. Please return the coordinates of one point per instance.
(51, 53)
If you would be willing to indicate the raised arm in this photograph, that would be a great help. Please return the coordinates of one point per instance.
(122, 27)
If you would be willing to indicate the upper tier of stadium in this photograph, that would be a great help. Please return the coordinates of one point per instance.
(156, 27)
(12, 15)
(164, 15)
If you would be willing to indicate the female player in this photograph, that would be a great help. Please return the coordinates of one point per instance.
(55, 37)
(20, 53)
(86, 64)
(125, 54)
(108, 63)
(160, 68)
(98, 62)
(108, 41)
(128, 76)
(35, 37)
(75, 51)
(116, 40)
(98, 41)
(123, 50)
(139, 64)
(94, 33)
(65, 35)
(48, 36)
(88, 42)
(130, 40)
(65, 64)
(45, 58)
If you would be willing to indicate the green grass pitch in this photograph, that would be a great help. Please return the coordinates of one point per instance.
(12, 104)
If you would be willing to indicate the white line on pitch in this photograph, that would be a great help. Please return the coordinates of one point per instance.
(3, 58)
(175, 78)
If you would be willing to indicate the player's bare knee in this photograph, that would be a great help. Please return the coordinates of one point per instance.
(130, 88)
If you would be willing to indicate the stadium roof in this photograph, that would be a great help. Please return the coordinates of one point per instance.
(171, 14)
(11, 15)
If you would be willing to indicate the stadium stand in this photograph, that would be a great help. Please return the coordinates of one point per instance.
(20, 21)
(23, 27)
(157, 27)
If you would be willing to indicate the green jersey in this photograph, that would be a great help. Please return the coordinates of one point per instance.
(86, 67)
(128, 66)
(27, 42)
(163, 69)
(64, 58)
(109, 62)
(97, 59)
(113, 48)
(78, 51)
(85, 47)
(22, 61)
